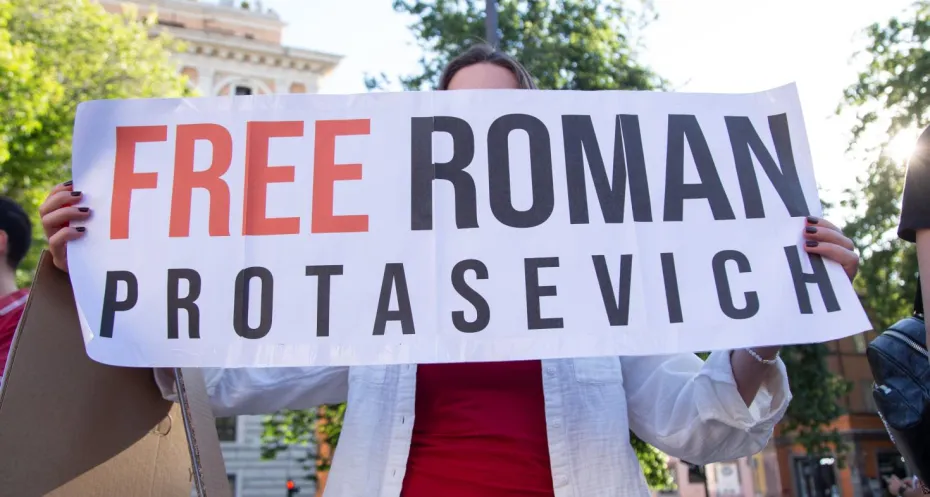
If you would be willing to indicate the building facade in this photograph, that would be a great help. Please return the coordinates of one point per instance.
(234, 48)
(756, 476)
(871, 454)
(251, 476)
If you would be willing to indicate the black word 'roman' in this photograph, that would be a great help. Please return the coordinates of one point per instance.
(628, 172)
(242, 298)
(110, 305)
(722, 281)
(188, 303)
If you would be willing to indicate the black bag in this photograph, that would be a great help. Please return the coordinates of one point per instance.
(900, 365)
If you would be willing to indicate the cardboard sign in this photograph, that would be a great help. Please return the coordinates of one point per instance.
(296, 230)
(70, 426)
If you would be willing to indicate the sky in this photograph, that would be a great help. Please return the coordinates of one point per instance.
(718, 46)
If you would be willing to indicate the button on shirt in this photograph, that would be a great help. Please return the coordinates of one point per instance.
(681, 405)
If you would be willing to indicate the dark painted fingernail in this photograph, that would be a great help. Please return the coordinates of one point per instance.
(84, 209)
(75, 194)
(812, 243)
(812, 219)
(67, 183)
(810, 229)
(80, 229)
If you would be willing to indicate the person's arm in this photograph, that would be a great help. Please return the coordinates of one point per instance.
(923, 262)
(825, 239)
(693, 410)
(265, 390)
(749, 372)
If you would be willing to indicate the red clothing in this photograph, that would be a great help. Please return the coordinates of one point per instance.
(479, 431)
(11, 309)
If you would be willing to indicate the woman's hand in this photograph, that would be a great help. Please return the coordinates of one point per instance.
(58, 211)
(895, 485)
(824, 238)
(899, 487)
(821, 237)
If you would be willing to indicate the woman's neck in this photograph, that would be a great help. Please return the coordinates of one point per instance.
(7, 281)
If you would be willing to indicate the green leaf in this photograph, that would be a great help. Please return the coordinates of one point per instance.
(55, 54)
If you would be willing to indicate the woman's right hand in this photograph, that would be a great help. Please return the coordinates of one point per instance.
(58, 211)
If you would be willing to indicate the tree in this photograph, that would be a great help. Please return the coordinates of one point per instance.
(815, 405)
(888, 97)
(887, 279)
(316, 429)
(890, 88)
(565, 44)
(55, 54)
(889, 91)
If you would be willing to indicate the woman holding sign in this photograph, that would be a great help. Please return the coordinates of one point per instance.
(528, 428)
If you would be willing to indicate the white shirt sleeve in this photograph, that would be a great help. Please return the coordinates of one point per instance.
(692, 410)
(241, 391)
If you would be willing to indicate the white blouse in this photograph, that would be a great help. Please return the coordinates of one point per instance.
(683, 406)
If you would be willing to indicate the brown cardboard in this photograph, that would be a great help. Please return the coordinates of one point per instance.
(209, 469)
(72, 427)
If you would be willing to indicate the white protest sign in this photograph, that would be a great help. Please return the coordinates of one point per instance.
(299, 230)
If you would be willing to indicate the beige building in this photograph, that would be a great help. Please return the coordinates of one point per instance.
(756, 476)
(234, 48)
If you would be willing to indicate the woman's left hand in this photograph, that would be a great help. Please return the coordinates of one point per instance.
(824, 238)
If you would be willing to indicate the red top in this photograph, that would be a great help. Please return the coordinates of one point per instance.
(479, 430)
(11, 309)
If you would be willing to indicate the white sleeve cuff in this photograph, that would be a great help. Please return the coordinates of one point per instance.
(718, 398)
(165, 380)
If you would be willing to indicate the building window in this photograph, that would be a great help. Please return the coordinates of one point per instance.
(226, 429)
(173, 24)
(890, 464)
(815, 477)
(727, 479)
(243, 90)
(232, 484)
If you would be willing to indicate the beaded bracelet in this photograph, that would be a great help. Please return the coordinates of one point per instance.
(759, 358)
